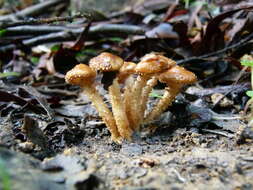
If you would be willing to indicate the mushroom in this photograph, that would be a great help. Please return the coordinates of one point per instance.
(145, 94)
(150, 65)
(125, 76)
(107, 62)
(175, 78)
(128, 109)
(83, 76)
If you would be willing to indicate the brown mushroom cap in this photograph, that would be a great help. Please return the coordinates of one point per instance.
(106, 62)
(80, 75)
(154, 63)
(178, 75)
(127, 69)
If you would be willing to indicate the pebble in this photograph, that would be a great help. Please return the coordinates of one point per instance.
(131, 149)
(26, 146)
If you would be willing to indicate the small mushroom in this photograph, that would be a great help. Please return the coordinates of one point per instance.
(107, 62)
(150, 65)
(83, 76)
(175, 78)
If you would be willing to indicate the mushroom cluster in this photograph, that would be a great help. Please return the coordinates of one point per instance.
(129, 91)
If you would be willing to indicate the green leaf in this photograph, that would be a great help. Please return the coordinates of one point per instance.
(55, 48)
(8, 74)
(246, 62)
(35, 60)
(2, 32)
(4, 177)
(116, 39)
(86, 52)
(89, 51)
(249, 93)
(155, 95)
(112, 39)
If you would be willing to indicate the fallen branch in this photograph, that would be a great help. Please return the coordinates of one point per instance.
(33, 21)
(88, 14)
(73, 33)
(35, 30)
(30, 11)
(45, 29)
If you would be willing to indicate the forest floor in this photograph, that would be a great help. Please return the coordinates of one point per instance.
(51, 136)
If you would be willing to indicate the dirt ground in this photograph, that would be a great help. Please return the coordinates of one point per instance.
(166, 159)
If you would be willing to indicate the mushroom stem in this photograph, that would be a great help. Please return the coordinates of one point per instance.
(168, 96)
(127, 98)
(145, 95)
(136, 100)
(103, 111)
(118, 110)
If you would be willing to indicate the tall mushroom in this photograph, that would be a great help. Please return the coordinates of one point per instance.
(125, 76)
(107, 62)
(175, 78)
(150, 66)
(83, 76)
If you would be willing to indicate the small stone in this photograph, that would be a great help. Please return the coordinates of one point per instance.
(131, 149)
(246, 135)
(61, 162)
(140, 172)
(122, 174)
(26, 146)
(147, 162)
(221, 100)
(83, 181)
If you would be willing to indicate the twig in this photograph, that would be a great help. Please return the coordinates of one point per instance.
(170, 11)
(35, 30)
(222, 133)
(34, 21)
(237, 88)
(247, 159)
(72, 34)
(224, 50)
(32, 10)
(179, 177)
(89, 14)
(79, 44)
(117, 28)
(45, 29)
(232, 89)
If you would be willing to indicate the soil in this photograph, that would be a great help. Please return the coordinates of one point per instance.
(169, 158)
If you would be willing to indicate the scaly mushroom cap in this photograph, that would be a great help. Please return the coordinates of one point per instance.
(127, 69)
(106, 62)
(80, 75)
(154, 63)
(178, 75)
